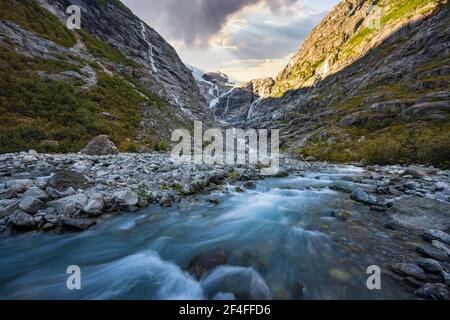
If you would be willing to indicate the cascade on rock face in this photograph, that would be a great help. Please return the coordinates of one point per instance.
(150, 48)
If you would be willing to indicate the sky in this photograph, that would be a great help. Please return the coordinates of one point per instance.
(245, 39)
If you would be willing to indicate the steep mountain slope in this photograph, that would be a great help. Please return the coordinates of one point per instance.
(59, 88)
(357, 92)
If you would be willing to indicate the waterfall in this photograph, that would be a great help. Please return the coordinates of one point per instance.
(150, 48)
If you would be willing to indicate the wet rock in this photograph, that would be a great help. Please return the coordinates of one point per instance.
(339, 275)
(66, 179)
(430, 265)
(418, 213)
(409, 270)
(359, 195)
(446, 276)
(207, 262)
(76, 224)
(441, 246)
(433, 253)
(250, 185)
(434, 291)
(239, 190)
(431, 235)
(243, 283)
(100, 146)
(128, 198)
(282, 173)
(31, 205)
(22, 220)
(36, 193)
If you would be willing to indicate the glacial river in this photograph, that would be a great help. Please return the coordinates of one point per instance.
(280, 241)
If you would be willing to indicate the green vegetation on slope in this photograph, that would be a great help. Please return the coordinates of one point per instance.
(30, 15)
(34, 112)
(102, 49)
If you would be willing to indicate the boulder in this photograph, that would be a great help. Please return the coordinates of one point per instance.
(243, 283)
(76, 224)
(409, 270)
(419, 172)
(419, 214)
(19, 186)
(7, 194)
(434, 291)
(441, 236)
(94, 207)
(430, 265)
(100, 146)
(22, 220)
(31, 205)
(8, 206)
(66, 179)
(207, 262)
(433, 253)
(69, 205)
(36, 193)
(127, 197)
(360, 196)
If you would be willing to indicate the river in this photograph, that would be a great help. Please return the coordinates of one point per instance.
(281, 241)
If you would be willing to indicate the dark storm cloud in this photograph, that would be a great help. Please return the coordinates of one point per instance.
(194, 21)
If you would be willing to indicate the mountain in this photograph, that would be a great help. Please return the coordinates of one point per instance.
(368, 84)
(212, 85)
(116, 76)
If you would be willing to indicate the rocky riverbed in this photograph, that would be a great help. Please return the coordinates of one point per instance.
(73, 192)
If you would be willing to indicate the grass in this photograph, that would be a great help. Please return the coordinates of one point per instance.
(102, 49)
(30, 15)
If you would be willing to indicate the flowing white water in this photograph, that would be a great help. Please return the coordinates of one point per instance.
(150, 48)
(252, 107)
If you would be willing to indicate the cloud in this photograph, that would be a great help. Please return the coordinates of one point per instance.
(253, 68)
(196, 21)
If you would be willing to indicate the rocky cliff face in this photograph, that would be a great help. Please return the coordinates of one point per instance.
(363, 88)
(113, 42)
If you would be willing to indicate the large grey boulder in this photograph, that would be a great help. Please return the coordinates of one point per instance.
(36, 193)
(419, 172)
(76, 224)
(69, 205)
(31, 205)
(409, 270)
(100, 146)
(8, 206)
(66, 179)
(419, 214)
(19, 186)
(431, 235)
(127, 197)
(22, 220)
(434, 291)
(359, 195)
